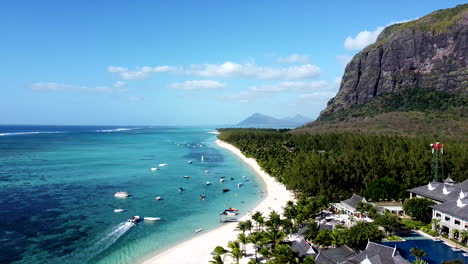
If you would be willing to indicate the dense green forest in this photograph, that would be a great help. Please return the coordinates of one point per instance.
(339, 164)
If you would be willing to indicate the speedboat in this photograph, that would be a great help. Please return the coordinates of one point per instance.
(208, 183)
(226, 190)
(158, 198)
(134, 219)
(121, 194)
(147, 218)
(198, 230)
(206, 171)
(228, 213)
(186, 177)
(244, 177)
(232, 209)
(221, 180)
(162, 164)
(154, 169)
(118, 210)
(181, 189)
(189, 162)
(239, 184)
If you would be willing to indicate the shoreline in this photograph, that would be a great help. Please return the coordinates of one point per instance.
(198, 249)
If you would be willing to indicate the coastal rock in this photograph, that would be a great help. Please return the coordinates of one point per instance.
(430, 52)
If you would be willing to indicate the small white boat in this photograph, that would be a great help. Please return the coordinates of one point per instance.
(158, 198)
(208, 183)
(189, 162)
(162, 165)
(221, 180)
(244, 177)
(147, 218)
(134, 219)
(239, 184)
(154, 169)
(121, 194)
(202, 159)
(198, 230)
(118, 210)
(206, 171)
(186, 177)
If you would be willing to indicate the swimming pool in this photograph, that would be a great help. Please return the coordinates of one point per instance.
(436, 251)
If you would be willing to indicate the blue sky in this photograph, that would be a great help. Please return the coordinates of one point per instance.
(181, 62)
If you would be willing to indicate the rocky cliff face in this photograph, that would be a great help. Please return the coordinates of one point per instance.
(431, 52)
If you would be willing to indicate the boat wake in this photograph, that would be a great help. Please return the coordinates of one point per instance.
(101, 244)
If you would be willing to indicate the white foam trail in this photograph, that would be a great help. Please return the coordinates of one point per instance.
(100, 245)
(29, 133)
(117, 129)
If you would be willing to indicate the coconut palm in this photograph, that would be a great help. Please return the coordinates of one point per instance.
(312, 230)
(284, 255)
(242, 226)
(217, 259)
(257, 217)
(464, 236)
(243, 239)
(274, 220)
(248, 225)
(236, 254)
(273, 237)
(418, 253)
(256, 239)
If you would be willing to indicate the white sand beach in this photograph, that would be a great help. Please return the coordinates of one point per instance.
(198, 249)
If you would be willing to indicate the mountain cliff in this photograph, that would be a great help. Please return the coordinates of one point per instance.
(429, 53)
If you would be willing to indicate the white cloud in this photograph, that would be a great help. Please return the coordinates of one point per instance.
(293, 58)
(54, 86)
(198, 85)
(252, 71)
(307, 88)
(365, 38)
(362, 39)
(119, 84)
(141, 72)
(344, 59)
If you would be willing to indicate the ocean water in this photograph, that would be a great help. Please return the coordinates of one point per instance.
(57, 188)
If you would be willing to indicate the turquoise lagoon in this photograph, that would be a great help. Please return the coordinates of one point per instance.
(57, 186)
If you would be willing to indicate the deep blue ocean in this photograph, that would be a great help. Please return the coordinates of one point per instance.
(57, 186)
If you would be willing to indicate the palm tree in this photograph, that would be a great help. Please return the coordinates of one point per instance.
(256, 240)
(217, 259)
(456, 232)
(464, 236)
(312, 230)
(435, 225)
(266, 253)
(284, 255)
(257, 217)
(248, 225)
(418, 253)
(273, 237)
(243, 239)
(236, 254)
(274, 220)
(242, 226)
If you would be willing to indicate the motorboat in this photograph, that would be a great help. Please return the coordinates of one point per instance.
(154, 169)
(158, 198)
(226, 190)
(198, 230)
(244, 177)
(181, 189)
(202, 159)
(162, 165)
(208, 183)
(232, 209)
(239, 184)
(121, 194)
(228, 213)
(221, 180)
(206, 171)
(134, 219)
(186, 177)
(189, 162)
(147, 218)
(118, 210)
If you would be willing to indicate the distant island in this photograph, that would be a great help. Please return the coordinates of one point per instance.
(263, 121)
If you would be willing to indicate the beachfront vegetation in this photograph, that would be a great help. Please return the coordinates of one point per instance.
(336, 165)
(419, 208)
(390, 222)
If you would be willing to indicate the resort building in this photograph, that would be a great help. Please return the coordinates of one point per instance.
(451, 204)
(303, 248)
(349, 206)
(377, 254)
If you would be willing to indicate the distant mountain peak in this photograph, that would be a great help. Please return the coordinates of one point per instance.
(261, 120)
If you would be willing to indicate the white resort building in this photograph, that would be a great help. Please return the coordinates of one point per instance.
(349, 206)
(451, 204)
